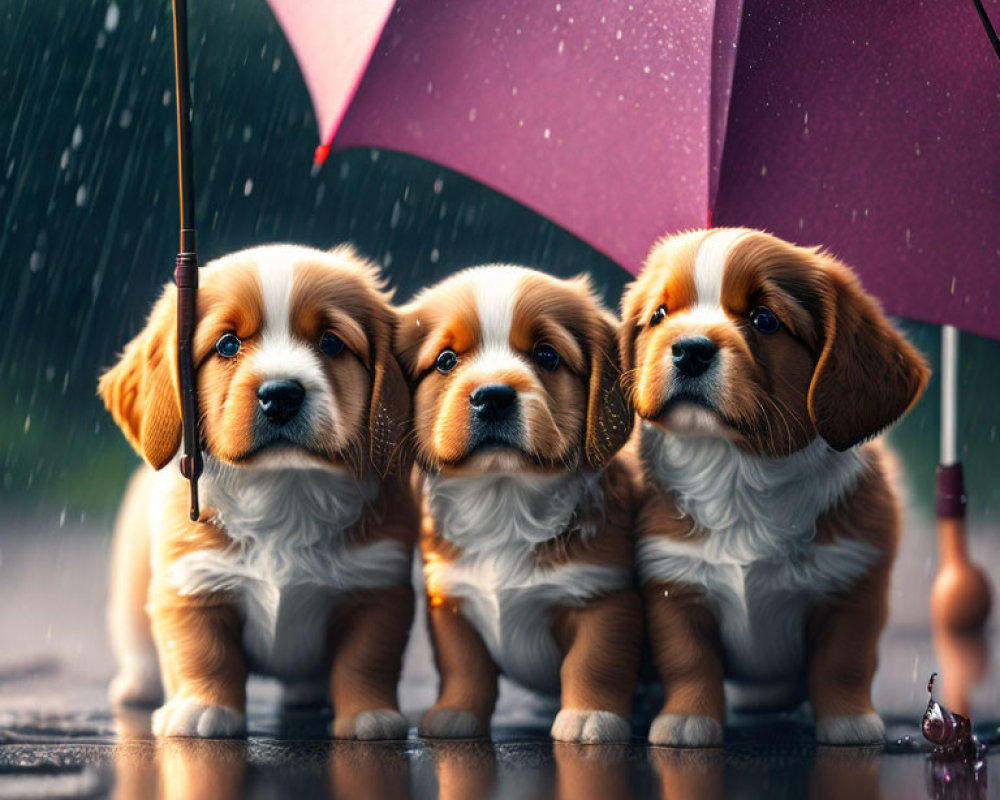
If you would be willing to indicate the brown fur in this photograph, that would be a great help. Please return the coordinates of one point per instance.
(198, 637)
(582, 423)
(836, 368)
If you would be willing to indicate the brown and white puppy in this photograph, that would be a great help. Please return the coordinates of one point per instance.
(299, 567)
(527, 537)
(768, 528)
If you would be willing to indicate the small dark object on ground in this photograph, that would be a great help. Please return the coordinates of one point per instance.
(956, 768)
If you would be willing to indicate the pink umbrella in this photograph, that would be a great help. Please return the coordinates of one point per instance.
(867, 127)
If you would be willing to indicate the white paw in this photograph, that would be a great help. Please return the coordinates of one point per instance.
(377, 724)
(590, 727)
(185, 716)
(449, 723)
(134, 687)
(681, 730)
(850, 729)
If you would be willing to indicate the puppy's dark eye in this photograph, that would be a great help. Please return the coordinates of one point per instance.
(446, 361)
(331, 344)
(765, 320)
(658, 316)
(547, 357)
(228, 345)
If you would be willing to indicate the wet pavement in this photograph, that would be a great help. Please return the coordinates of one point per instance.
(58, 738)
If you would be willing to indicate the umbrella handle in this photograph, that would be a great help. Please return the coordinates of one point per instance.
(960, 596)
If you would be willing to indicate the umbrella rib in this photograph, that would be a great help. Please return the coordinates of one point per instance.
(988, 25)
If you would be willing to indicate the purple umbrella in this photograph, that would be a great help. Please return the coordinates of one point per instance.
(865, 127)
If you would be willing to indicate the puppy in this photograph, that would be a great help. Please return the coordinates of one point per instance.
(527, 535)
(768, 527)
(299, 567)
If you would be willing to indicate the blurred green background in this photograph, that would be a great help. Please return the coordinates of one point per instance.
(88, 203)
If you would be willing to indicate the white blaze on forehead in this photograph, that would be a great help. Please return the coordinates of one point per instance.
(281, 356)
(710, 265)
(496, 292)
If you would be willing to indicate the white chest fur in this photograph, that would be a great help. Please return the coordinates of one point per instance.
(289, 562)
(758, 564)
(499, 521)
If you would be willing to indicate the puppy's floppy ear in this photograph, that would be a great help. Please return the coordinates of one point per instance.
(141, 390)
(867, 375)
(389, 414)
(609, 413)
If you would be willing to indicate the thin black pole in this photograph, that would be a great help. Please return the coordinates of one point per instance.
(991, 34)
(186, 272)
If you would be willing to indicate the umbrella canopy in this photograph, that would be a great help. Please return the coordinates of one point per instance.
(869, 128)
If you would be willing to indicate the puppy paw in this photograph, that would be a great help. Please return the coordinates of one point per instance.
(590, 727)
(682, 730)
(374, 725)
(450, 723)
(186, 716)
(135, 688)
(850, 729)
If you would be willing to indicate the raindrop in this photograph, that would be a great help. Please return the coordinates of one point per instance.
(646, 69)
(763, 170)
(167, 97)
(396, 212)
(125, 118)
(152, 34)
(62, 517)
(547, 133)
(916, 148)
(248, 187)
(36, 261)
(247, 133)
(64, 159)
(345, 170)
(618, 34)
(561, 47)
(81, 196)
(77, 139)
(27, 423)
(438, 186)
(373, 155)
(112, 17)
(472, 115)
(430, 88)
(276, 64)
(387, 260)
(435, 255)
(50, 373)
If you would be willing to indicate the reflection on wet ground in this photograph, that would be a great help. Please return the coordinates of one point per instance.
(58, 740)
(523, 767)
(287, 756)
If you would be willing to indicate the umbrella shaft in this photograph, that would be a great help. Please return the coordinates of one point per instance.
(949, 395)
(184, 166)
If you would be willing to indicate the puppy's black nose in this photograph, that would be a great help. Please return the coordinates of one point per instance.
(280, 400)
(494, 403)
(693, 355)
